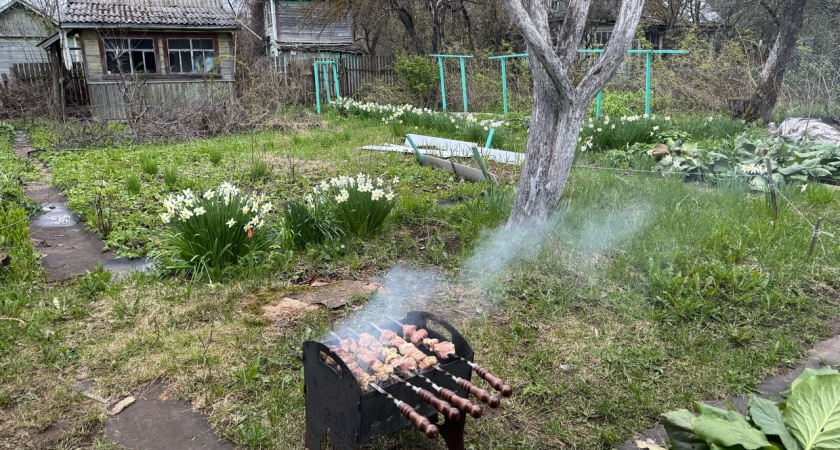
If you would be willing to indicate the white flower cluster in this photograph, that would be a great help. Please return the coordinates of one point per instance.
(362, 183)
(753, 169)
(187, 204)
(398, 113)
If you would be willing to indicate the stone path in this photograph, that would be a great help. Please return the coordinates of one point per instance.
(69, 249)
(824, 353)
(156, 421)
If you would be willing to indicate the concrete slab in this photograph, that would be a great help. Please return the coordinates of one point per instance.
(123, 267)
(156, 421)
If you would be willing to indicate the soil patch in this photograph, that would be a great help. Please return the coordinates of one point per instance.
(336, 295)
(156, 421)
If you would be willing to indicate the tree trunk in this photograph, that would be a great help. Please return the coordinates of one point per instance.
(559, 106)
(552, 139)
(763, 100)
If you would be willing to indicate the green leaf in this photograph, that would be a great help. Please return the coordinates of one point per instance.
(717, 430)
(813, 412)
(681, 432)
(805, 374)
(730, 415)
(768, 418)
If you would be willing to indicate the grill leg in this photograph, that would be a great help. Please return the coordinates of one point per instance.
(453, 433)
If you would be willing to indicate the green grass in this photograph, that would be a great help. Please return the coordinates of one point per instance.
(646, 294)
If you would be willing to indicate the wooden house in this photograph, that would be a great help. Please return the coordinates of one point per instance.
(297, 30)
(169, 48)
(22, 26)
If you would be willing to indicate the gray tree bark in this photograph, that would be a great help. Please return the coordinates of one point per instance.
(559, 106)
(763, 100)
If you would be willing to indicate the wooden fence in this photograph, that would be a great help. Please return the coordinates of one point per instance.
(354, 71)
(74, 83)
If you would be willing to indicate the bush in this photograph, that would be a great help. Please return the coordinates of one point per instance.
(359, 205)
(809, 419)
(215, 231)
(418, 75)
(308, 222)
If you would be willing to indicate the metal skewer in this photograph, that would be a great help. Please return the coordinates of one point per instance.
(494, 381)
(421, 422)
(460, 402)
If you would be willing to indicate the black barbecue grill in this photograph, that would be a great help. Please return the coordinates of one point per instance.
(336, 403)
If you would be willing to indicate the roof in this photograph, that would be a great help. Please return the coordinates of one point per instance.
(147, 14)
(26, 5)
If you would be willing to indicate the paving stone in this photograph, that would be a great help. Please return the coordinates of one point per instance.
(156, 421)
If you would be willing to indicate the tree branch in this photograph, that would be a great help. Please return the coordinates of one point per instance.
(615, 51)
(540, 48)
(571, 32)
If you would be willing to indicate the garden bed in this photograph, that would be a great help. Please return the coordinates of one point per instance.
(647, 293)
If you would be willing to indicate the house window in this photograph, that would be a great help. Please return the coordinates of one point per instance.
(601, 38)
(130, 56)
(191, 55)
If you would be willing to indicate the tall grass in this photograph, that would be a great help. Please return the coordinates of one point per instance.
(148, 164)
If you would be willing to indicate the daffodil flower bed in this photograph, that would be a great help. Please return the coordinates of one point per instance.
(214, 231)
(358, 204)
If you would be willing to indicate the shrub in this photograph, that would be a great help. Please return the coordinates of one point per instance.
(215, 231)
(148, 164)
(132, 183)
(418, 75)
(359, 205)
(308, 222)
(808, 420)
(170, 176)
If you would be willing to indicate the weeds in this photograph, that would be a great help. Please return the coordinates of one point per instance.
(170, 177)
(103, 212)
(259, 170)
(132, 183)
(215, 156)
(148, 164)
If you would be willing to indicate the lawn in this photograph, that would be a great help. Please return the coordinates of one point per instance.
(645, 293)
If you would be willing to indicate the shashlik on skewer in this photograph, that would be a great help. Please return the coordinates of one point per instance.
(446, 349)
(393, 340)
(405, 365)
(450, 396)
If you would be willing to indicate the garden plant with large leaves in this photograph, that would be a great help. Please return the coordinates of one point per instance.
(809, 420)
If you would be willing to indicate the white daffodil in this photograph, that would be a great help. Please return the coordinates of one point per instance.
(377, 194)
(389, 196)
(199, 211)
(165, 218)
(245, 209)
(209, 194)
(230, 223)
(266, 208)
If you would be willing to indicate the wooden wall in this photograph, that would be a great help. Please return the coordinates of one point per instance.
(296, 23)
(109, 102)
(20, 31)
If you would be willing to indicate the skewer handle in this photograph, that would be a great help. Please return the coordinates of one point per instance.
(461, 403)
(419, 421)
(442, 406)
(491, 400)
(494, 381)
